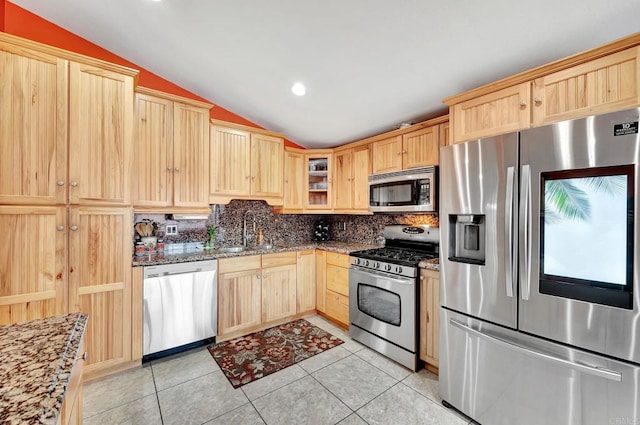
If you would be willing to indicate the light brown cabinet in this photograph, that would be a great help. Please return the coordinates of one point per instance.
(279, 286)
(33, 277)
(586, 84)
(337, 288)
(71, 409)
(430, 317)
(306, 281)
(321, 280)
(245, 164)
(33, 127)
(293, 179)
(317, 177)
(413, 149)
(171, 167)
(239, 294)
(351, 170)
(100, 131)
(100, 283)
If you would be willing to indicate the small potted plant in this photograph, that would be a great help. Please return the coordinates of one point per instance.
(211, 243)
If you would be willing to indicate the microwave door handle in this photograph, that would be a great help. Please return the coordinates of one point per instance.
(525, 191)
(508, 231)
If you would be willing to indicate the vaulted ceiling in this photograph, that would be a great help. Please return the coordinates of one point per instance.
(368, 65)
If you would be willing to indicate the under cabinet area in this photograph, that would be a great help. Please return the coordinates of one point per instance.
(171, 151)
(430, 318)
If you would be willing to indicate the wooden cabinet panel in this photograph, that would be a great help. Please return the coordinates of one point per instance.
(190, 153)
(318, 171)
(71, 409)
(230, 158)
(338, 307)
(33, 127)
(420, 148)
(278, 292)
(267, 165)
(100, 282)
(387, 154)
(100, 131)
(338, 279)
(306, 281)
(503, 111)
(153, 151)
(279, 259)
(343, 180)
(239, 300)
(429, 316)
(293, 180)
(445, 134)
(360, 177)
(338, 259)
(238, 264)
(33, 261)
(321, 280)
(602, 85)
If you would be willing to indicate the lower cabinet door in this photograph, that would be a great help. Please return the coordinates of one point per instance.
(337, 307)
(239, 301)
(100, 283)
(278, 292)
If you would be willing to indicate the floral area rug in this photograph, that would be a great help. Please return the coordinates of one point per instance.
(247, 358)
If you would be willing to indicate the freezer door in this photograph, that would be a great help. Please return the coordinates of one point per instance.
(579, 233)
(478, 188)
(501, 377)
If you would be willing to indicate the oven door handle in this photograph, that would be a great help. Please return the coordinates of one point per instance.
(386, 276)
(591, 370)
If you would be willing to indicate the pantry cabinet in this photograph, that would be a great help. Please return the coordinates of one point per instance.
(351, 170)
(171, 166)
(429, 317)
(100, 282)
(245, 164)
(306, 281)
(602, 80)
(33, 126)
(33, 263)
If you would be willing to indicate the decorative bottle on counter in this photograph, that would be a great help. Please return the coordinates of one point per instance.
(260, 237)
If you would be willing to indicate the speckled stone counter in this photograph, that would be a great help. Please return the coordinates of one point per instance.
(432, 264)
(37, 358)
(341, 247)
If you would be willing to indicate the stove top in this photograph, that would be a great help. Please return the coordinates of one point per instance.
(396, 255)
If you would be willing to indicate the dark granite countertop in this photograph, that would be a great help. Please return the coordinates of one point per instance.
(37, 358)
(341, 247)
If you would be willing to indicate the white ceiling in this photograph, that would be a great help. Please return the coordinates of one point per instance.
(368, 64)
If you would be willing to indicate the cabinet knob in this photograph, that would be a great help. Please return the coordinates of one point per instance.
(258, 276)
(523, 103)
(264, 276)
(253, 177)
(84, 356)
(247, 177)
(169, 169)
(74, 228)
(59, 228)
(537, 100)
(73, 184)
(60, 182)
(399, 153)
(177, 170)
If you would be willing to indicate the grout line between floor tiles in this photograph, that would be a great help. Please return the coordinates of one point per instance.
(337, 398)
(153, 375)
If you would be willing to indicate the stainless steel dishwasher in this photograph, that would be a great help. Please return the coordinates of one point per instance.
(180, 305)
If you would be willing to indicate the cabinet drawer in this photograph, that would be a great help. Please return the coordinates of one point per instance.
(238, 264)
(279, 259)
(337, 259)
(338, 279)
(337, 307)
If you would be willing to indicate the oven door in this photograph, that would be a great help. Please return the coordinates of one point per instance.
(384, 305)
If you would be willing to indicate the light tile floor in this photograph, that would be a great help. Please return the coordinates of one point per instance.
(347, 385)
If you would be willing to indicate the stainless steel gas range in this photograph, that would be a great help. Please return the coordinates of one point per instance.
(383, 292)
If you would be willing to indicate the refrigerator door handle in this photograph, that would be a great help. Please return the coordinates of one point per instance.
(591, 370)
(525, 191)
(508, 230)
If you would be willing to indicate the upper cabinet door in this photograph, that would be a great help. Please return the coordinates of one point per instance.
(153, 158)
(360, 177)
(420, 148)
(33, 127)
(387, 155)
(267, 165)
(343, 181)
(293, 180)
(602, 85)
(230, 159)
(100, 131)
(191, 156)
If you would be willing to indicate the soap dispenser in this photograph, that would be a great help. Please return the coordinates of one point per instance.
(260, 237)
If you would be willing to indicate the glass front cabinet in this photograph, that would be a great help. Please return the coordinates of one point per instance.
(317, 175)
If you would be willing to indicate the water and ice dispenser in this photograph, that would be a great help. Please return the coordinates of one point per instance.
(467, 238)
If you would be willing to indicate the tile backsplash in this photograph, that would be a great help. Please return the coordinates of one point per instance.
(279, 228)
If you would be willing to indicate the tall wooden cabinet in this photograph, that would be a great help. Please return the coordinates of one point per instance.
(351, 170)
(171, 167)
(293, 179)
(245, 164)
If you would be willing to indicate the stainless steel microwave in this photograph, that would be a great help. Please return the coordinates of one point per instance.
(411, 190)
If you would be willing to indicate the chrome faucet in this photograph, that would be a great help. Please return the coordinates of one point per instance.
(244, 226)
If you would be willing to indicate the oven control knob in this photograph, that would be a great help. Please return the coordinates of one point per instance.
(366, 263)
(387, 267)
(398, 269)
(376, 265)
(357, 261)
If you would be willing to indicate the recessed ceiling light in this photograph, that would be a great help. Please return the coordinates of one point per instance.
(298, 89)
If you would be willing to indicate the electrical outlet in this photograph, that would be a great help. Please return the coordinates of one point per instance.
(171, 229)
(342, 225)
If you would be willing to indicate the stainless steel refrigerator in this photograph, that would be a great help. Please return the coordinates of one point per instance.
(540, 318)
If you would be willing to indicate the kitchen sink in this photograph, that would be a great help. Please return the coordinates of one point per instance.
(232, 248)
(265, 246)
